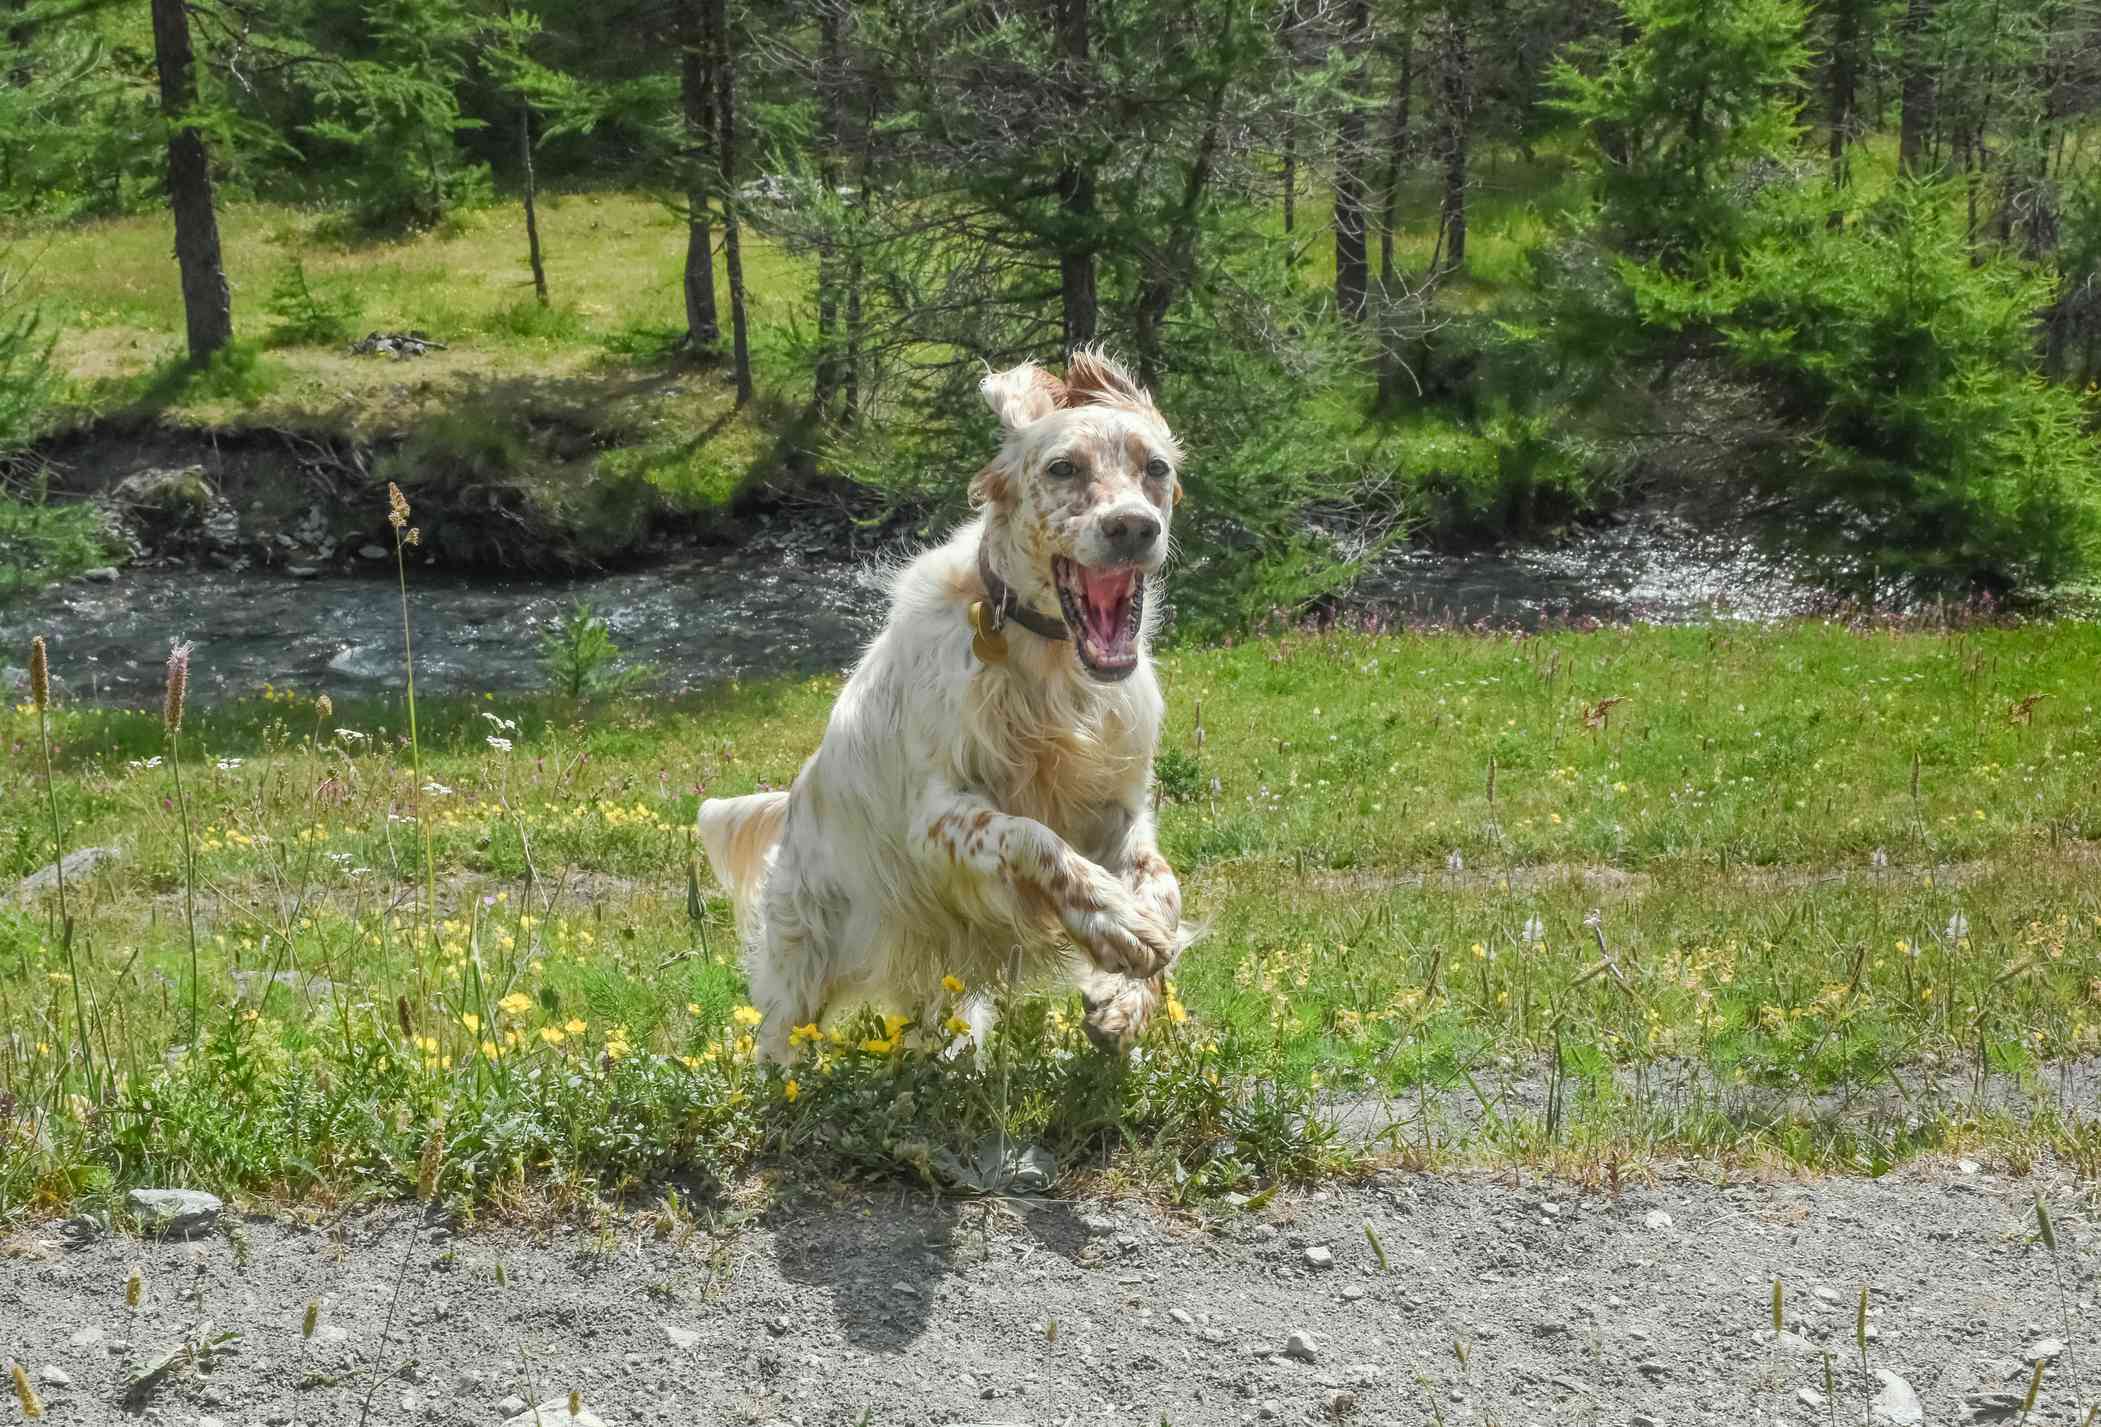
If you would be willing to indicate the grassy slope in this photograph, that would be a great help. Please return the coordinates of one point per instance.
(1723, 823)
(514, 372)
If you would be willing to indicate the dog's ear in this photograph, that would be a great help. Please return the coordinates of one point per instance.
(1023, 395)
(991, 486)
(1094, 378)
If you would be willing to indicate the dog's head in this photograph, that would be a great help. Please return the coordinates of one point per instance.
(1082, 491)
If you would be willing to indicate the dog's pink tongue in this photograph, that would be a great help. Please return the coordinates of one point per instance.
(1106, 592)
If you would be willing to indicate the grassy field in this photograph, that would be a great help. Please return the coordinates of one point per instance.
(1815, 880)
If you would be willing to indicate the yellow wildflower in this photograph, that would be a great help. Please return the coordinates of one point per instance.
(574, 1026)
(957, 1026)
(747, 1015)
(791, 1090)
(952, 984)
(516, 1004)
(552, 1035)
(471, 1021)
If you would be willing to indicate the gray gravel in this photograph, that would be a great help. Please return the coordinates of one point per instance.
(1650, 1305)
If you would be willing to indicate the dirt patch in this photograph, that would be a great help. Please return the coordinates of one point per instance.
(1652, 1305)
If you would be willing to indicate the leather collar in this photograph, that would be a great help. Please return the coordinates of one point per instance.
(1007, 605)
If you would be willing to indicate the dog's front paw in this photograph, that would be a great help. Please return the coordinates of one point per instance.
(1126, 937)
(1115, 1021)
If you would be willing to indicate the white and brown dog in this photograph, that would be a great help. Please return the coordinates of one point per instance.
(980, 800)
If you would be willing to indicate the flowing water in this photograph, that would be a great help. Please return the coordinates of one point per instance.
(781, 603)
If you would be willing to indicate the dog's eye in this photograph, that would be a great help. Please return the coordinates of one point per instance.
(1063, 470)
(1156, 468)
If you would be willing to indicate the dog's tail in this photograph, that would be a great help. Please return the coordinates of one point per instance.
(739, 835)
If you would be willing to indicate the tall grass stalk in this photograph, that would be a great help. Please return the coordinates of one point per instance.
(406, 535)
(40, 695)
(171, 718)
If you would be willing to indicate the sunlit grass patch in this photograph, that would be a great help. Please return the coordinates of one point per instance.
(1793, 878)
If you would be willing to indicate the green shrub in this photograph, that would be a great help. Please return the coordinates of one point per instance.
(1920, 448)
(581, 660)
(310, 315)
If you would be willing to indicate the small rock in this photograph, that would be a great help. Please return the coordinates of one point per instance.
(1341, 1402)
(1828, 1295)
(1352, 1293)
(1656, 1219)
(555, 1413)
(1182, 1316)
(1362, 1374)
(1301, 1345)
(101, 574)
(1320, 1256)
(1270, 1410)
(906, 1289)
(303, 572)
(681, 1338)
(1896, 1405)
(1810, 1397)
(2042, 1351)
(514, 1404)
(372, 552)
(1642, 1419)
(1992, 1406)
(175, 1211)
(55, 1375)
(1968, 1166)
(88, 1338)
(1652, 1367)
(778, 1326)
(1213, 1335)
(75, 865)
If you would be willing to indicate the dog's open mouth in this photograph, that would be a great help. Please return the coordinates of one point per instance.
(1102, 608)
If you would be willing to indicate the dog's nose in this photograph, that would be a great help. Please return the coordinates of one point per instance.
(1131, 532)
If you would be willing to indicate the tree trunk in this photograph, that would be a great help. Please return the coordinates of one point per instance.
(825, 381)
(207, 302)
(1456, 116)
(1291, 172)
(1397, 150)
(696, 90)
(1351, 277)
(1078, 296)
(725, 61)
(1845, 85)
(1396, 159)
(532, 216)
(1917, 94)
(855, 326)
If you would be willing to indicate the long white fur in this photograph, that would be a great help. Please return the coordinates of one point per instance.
(880, 871)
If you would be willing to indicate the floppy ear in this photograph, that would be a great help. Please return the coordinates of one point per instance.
(991, 486)
(1020, 396)
(1094, 378)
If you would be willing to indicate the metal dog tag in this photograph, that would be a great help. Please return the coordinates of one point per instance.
(988, 641)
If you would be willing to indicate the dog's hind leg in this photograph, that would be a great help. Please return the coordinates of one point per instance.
(791, 962)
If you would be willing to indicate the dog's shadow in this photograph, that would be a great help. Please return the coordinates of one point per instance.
(895, 1262)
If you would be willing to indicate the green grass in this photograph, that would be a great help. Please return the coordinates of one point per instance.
(579, 395)
(1832, 870)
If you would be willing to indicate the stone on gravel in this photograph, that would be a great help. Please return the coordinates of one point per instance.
(1182, 1316)
(513, 1405)
(2043, 1351)
(1896, 1405)
(1992, 1406)
(101, 574)
(88, 1338)
(1828, 1295)
(1341, 1402)
(555, 1413)
(54, 1375)
(1270, 1410)
(1656, 1219)
(682, 1337)
(372, 552)
(175, 1211)
(1320, 1256)
(1301, 1345)
(1810, 1397)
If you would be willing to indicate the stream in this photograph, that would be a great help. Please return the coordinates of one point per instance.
(782, 603)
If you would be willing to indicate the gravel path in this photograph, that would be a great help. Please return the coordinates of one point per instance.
(1649, 1306)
